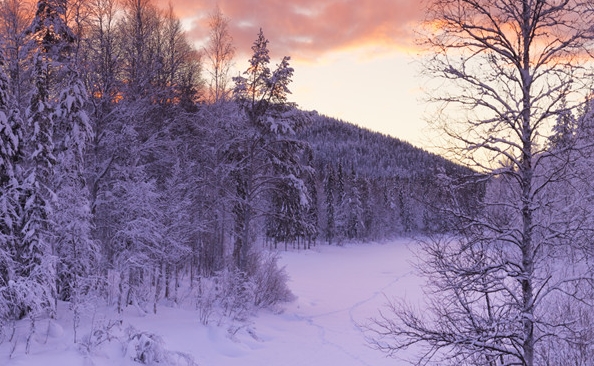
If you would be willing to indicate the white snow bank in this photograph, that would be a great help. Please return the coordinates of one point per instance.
(337, 288)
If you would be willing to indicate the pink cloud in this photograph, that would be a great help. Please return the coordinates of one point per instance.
(307, 29)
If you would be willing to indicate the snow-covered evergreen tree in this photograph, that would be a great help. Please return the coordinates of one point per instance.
(311, 220)
(329, 188)
(11, 295)
(564, 132)
(266, 152)
(342, 208)
(354, 224)
(35, 253)
(56, 104)
(77, 254)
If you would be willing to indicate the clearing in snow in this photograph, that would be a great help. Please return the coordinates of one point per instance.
(337, 289)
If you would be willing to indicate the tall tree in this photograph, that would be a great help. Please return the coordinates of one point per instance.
(329, 187)
(50, 41)
(342, 210)
(513, 67)
(354, 223)
(77, 255)
(11, 296)
(101, 70)
(182, 65)
(312, 213)
(15, 17)
(220, 52)
(265, 153)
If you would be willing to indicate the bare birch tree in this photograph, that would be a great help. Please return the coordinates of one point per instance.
(508, 70)
(220, 52)
(15, 16)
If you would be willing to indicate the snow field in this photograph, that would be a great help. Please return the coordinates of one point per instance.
(337, 289)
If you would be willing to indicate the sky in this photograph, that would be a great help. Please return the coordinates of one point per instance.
(354, 59)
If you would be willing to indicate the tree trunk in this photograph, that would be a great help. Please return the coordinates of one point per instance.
(527, 175)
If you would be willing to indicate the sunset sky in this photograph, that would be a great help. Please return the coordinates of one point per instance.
(353, 59)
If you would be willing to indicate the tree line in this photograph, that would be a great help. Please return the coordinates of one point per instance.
(371, 186)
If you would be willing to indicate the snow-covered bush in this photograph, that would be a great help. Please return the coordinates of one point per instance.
(235, 294)
(206, 300)
(22, 297)
(228, 294)
(102, 331)
(270, 282)
(149, 349)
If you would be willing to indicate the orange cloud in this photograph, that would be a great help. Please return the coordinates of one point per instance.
(308, 29)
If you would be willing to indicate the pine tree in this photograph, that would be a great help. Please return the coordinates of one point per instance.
(367, 208)
(564, 131)
(286, 223)
(265, 153)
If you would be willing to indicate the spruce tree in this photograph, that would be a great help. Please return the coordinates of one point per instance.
(342, 207)
(11, 296)
(329, 190)
(50, 41)
(265, 154)
(76, 251)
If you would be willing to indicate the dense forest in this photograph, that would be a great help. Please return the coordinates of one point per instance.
(371, 186)
(132, 166)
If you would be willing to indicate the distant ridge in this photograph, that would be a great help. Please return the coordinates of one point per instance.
(372, 154)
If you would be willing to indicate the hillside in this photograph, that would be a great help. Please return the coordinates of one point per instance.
(372, 154)
(370, 186)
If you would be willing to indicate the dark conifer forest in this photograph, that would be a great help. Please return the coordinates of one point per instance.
(372, 186)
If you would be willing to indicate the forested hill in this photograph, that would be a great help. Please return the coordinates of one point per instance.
(372, 154)
(370, 186)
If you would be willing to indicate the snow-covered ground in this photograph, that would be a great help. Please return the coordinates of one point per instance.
(337, 288)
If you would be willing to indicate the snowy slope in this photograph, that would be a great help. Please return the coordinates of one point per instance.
(337, 289)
